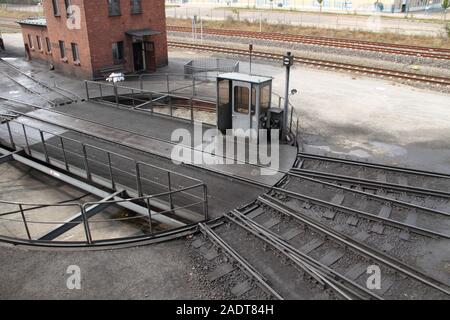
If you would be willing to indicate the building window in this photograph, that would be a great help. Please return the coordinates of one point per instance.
(56, 11)
(117, 50)
(75, 55)
(38, 41)
(49, 46)
(114, 7)
(136, 6)
(68, 7)
(30, 41)
(62, 49)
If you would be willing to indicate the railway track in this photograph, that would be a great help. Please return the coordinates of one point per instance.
(387, 48)
(290, 255)
(323, 266)
(404, 214)
(373, 176)
(363, 70)
(50, 96)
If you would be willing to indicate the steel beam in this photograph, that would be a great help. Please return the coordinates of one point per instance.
(93, 190)
(8, 156)
(75, 220)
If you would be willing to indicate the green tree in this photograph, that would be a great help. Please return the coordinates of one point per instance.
(445, 6)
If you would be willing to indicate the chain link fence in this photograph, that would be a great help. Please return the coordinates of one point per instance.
(374, 22)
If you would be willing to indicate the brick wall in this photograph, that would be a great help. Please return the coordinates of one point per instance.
(104, 30)
(35, 31)
(58, 30)
(97, 32)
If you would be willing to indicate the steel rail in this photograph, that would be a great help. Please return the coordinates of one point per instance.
(388, 221)
(371, 183)
(367, 215)
(438, 53)
(370, 195)
(42, 84)
(304, 155)
(40, 95)
(110, 127)
(245, 265)
(356, 245)
(391, 222)
(321, 63)
(308, 264)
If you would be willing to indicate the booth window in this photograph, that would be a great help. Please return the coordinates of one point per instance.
(253, 107)
(224, 92)
(265, 98)
(241, 99)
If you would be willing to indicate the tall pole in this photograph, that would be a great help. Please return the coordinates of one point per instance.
(288, 61)
(250, 49)
(201, 30)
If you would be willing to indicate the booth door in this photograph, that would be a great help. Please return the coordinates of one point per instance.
(241, 105)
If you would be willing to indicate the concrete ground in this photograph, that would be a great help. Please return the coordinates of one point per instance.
(349, 115)
(341, 114)
(160, 271)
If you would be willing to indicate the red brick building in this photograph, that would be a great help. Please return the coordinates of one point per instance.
(91, 38)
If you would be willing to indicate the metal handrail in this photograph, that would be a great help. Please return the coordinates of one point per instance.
(84, 209)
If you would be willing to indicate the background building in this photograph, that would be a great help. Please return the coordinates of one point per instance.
(330, 5)
(91, 38)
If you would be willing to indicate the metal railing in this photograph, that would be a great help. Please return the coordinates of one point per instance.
(108, 169)
(23, 212)
(153, 102)
(208, 67)
(189, 85)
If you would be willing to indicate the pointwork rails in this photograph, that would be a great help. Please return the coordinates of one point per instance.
(379, 72)
(379, 47)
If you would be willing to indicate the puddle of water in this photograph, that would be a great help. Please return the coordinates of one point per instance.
(357, 152)
(389, 149)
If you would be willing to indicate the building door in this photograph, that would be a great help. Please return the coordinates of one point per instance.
(138, 56)
(150, 61)
(241, 105)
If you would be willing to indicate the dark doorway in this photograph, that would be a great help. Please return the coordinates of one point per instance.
(137, 56)
(150, 61)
